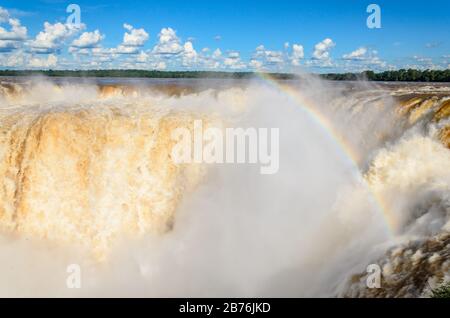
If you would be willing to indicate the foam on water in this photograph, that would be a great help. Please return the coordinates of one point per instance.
(87, 178)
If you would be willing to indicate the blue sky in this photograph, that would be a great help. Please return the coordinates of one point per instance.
(319, 36)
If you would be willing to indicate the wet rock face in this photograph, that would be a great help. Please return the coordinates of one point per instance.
(408, 270)
(434, 108)
(444, 136)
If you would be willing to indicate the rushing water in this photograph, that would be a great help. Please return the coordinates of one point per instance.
(87, 178)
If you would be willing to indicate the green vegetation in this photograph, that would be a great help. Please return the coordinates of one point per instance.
(402, 75)
(442, 291)
(144, 74)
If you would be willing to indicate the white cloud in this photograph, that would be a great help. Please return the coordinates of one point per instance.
(432, 45)
(4, 15)
(102, 55)
(17, 33)
(362, 59)
(255, 64)
(234, 55)
(8, 46)
(322, 49)
(134, 37)
(423, 63)
(267, 58)
(122, 49)
(297, 54)
(233, 61)
(48, 62)
(142, 57)
(376, 61)
(171, 48)
(210, 61)
(99, 51)
(297, 51)
(274, 57)
(169, 43)
(13, 38)
(217, 53)
(88, 40)
(189, 50)
(133, 40)
(357, 54)
(259, 51)
(170, 51)
(160, 65)
(15, 59)
(53, 37)
(189, 54)
(421, 59)
(217, 38)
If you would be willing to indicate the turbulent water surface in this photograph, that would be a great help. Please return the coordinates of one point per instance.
(87, 178)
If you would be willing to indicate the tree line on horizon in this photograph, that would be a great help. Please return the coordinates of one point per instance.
(142, 74)
(402, 75)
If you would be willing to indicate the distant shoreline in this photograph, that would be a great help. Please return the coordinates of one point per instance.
(410, 75)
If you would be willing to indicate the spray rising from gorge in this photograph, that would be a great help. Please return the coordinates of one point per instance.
(87, 177)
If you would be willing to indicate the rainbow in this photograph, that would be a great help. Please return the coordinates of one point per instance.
(344, 149)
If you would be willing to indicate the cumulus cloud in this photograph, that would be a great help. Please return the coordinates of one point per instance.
(362, 59)
(13, 38)
(263, 58)
(297, 54)
(48, 62)
(144, 60)
(233, 61)
(189, 54)
(52, 37)
(255, 64)
(99, 51)
(217, 53)
(259, 51)
(143, 57)
(422, 59)
(8, 46)
(169, 43)
(160, 65)
(168, 52)
(17, 32)
(422, 63)
(122, 49)
(133, 40)
(12, 60)
(358, 54)
(210, 61)
(322, 49)
(88, 40)
(274, 57)
(171, 48)
(4, 15)
(134, 37)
